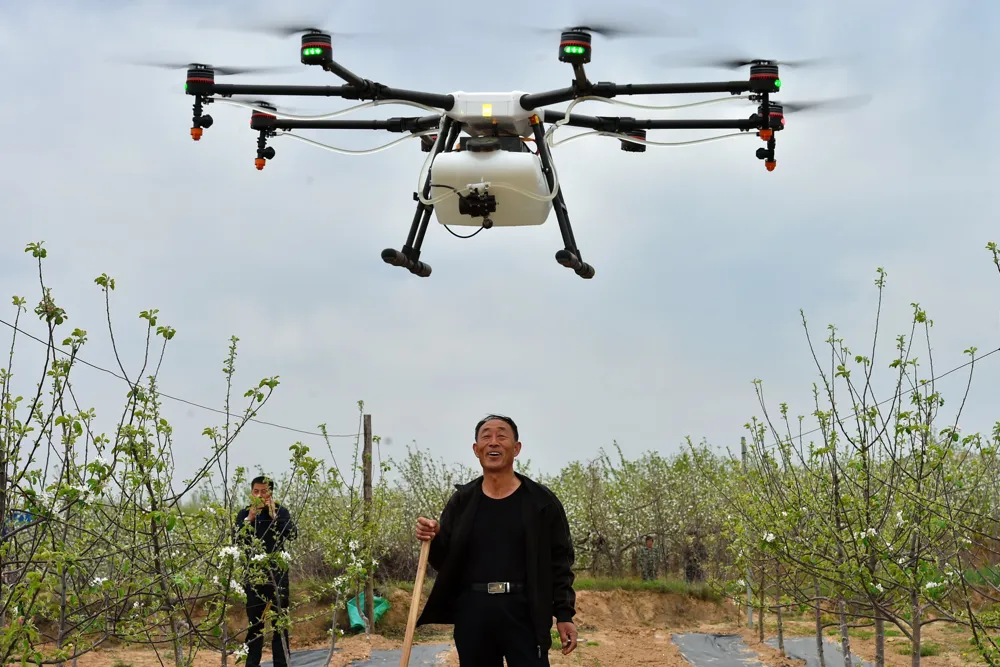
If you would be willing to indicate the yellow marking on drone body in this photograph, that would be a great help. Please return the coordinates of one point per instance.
(487, 110)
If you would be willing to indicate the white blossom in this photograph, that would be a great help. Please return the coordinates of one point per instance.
(769, 537)
(230, 551)
(98, 581)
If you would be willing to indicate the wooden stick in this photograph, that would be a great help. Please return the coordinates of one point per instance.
(418, 588)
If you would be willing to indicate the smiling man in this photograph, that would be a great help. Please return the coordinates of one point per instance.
(504, 557)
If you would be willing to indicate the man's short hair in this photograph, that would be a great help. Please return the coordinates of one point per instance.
(508, 420)
(263, 480)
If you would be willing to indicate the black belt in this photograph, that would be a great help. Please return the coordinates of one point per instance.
(495, 587)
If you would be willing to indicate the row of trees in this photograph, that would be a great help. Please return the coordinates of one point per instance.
(882, 515)
(101, 541)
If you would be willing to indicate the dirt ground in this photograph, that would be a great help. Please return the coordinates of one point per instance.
(617, 628)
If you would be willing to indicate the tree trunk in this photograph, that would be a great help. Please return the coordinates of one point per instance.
(760, 621)
(819, 624)
(879, 640)
(917, 611)
(845, 640)
(781, 632)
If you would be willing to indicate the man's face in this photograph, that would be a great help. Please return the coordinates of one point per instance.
(649, 544)
(495, 446)
(260, 493)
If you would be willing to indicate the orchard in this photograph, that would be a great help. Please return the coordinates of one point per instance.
(882, 518)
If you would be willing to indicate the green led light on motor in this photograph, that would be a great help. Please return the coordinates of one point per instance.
(312, 51)
(574, 49)
(777, 83)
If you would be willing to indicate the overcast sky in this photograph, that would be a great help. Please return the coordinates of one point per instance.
(703, 258)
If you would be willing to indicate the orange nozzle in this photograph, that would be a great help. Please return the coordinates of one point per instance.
(259, 162)
(766, 135)
(770, 164)
(196, 133)
(534, 119)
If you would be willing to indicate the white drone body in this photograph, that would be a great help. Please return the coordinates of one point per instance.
(504, 174)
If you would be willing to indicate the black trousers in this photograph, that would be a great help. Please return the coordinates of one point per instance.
(489, 628)
(257, 599)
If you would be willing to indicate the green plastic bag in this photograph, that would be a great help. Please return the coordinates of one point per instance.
(357, 623)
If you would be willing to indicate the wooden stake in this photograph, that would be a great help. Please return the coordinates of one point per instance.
(370, 579)
(418, 588)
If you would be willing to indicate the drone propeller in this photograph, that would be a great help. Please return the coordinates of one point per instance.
(286, 28)
(737, 62)
(265, 103)
(832, 104)
(224, 71)
(618, 29)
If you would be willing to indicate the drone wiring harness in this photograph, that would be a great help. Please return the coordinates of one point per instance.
(549, 136)
(489, 136)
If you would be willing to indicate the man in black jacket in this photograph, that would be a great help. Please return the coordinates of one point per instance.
(263, 528)
(503, 555)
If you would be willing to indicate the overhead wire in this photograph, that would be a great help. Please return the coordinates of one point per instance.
(174, 398)
(901, 394)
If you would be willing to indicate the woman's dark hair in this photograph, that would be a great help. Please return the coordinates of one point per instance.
(510, 422)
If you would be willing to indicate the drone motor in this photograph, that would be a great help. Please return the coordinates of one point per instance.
(317, 48)
(574, 47)
(631, 146)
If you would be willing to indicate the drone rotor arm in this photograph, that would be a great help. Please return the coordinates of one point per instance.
(408, 124)
(377, 92)
(617, 124)
(608, 90)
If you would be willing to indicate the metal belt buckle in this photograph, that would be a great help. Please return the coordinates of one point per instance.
(498, 587)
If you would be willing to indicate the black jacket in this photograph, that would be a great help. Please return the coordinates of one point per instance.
(271, 533)
(549, 557)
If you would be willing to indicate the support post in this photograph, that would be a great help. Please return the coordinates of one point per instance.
(743, 447)
(370, 578)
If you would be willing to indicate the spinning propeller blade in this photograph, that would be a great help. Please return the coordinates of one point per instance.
(652, 26)
(737, 63)
(265, 102)
(833, 104)
(224, 71)
(287, 28)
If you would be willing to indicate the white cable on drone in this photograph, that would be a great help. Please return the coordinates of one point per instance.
(332, 114)
(636, 105)
(625, 137)
(594, 98)
(348, 151)
(690, 142)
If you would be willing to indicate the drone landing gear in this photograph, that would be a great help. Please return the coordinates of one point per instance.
(569, 256)
(409, 256)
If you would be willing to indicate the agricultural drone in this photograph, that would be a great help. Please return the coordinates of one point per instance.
(481, 170)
